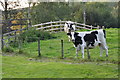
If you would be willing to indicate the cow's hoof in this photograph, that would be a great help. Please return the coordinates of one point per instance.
(100, 55)
(88, 57)
(106, 55)
(76, 57)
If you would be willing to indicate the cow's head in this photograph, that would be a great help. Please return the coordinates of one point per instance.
(73, 35)
(69, 27)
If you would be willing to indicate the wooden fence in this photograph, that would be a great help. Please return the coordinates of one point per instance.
(12, 34)
(59, 26)
(55, 26)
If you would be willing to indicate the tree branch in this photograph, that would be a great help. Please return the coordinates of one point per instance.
(2, 4)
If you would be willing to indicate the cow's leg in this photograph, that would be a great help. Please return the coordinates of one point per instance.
(88, 52)
(69, 38)
(77, 52)
(104, 46)
(101, 49)
(87, 46)
(82, 51)
(106, 49)
(77, 49)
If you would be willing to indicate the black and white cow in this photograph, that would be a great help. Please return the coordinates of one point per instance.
(69, 27)
(88, 40)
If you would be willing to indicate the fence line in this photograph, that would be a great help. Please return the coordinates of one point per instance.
(12, 34)
(60, 23)
(52, 26)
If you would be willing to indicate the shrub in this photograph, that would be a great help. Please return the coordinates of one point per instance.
(32, 35)
(14, 43)
(44, 35)
(8, 49)
(21, 51)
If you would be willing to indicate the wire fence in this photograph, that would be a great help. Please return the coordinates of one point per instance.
(51, 48)
(54, 48)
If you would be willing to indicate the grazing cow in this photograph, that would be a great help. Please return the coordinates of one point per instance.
(88, 40)
(69, 27)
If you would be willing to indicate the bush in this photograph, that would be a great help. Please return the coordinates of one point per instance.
(8, 49)
(14, 43)
(32, 35)
(21, 51)
(44, 35)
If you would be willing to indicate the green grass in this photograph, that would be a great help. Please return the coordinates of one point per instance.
(51, 66)
(22, 67)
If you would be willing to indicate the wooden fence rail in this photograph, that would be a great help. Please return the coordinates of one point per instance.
(58, 24)
(51, 25)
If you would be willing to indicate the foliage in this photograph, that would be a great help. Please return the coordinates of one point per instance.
(100, 14)
(11, 11)
(103, 14)
(32, 35)
(18, 15)
(21, 51)
(14, 43)
(15, 21)
(45, 12)
(8, 49)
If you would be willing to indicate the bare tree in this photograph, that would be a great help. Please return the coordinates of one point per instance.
(9, 5)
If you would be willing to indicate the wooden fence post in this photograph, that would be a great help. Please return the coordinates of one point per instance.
(39, 54)
(91, 26)
(2, 43)
(27, 24)
(60, 26)
(98, 27)
(62, 51)
(19, 43)
(20, 28)
(9, 35)
(9, 39)
(15, 35)
(51, 26)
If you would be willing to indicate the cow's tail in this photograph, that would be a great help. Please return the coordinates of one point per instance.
(104, 33)
(105, 37)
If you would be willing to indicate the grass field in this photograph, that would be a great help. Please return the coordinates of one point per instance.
(28, 65)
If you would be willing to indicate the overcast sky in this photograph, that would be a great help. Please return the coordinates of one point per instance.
(22, 2)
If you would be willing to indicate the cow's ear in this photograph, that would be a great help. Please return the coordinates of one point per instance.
(68, 33)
